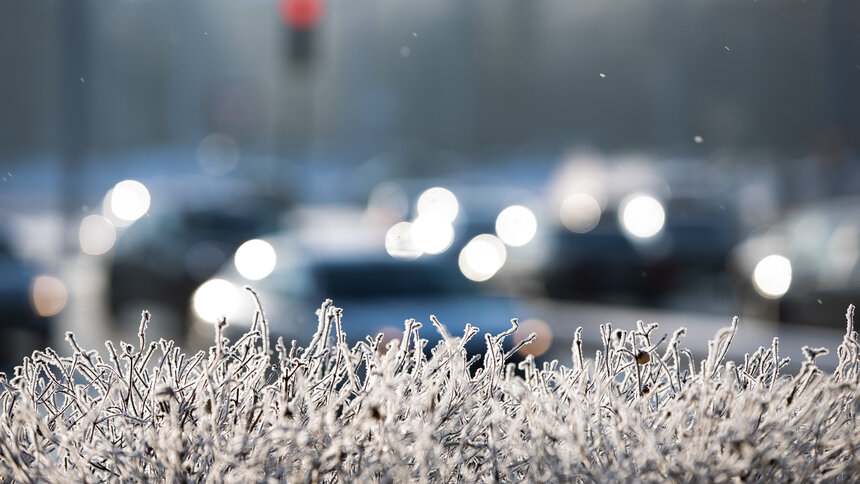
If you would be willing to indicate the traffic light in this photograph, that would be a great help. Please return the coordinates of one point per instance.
(301, 14)
(302, 17)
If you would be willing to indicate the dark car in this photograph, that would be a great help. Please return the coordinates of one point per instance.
(23, 329)
(639, 256)
(162, 258)
(348, 263)
(806, 268)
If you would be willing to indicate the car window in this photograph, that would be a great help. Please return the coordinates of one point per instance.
(808, 233)
(389, 279)
(840, 255)
(214, 222)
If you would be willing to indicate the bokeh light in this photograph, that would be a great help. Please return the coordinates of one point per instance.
(96, 235)
(772, 276)
(107, 212)
(218, 154)
(482, 257)
(214, 299)
(48, 295)
(580, 212)
(432, 233)
(542, 341)
(129, 200)
(255, 259)
(440, 202)
(399, 243)
(642, 216)
(516, 225)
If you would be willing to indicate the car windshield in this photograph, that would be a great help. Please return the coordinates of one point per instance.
(209, 223)
(383, 279)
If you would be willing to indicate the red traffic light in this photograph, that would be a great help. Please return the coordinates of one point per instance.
(301, 14)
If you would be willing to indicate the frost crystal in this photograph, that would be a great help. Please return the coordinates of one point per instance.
(642, 411)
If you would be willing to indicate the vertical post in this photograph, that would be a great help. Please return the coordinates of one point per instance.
(73, 110)
(301, 19)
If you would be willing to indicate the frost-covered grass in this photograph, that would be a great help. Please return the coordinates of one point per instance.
(640, 410)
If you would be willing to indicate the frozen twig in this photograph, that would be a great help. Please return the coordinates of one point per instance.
(329, 413)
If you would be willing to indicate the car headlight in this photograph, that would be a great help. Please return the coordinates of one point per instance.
(214, 299)
(516, 225)
(772, 276)
(482, 257)
(255, 259)
(642, 216)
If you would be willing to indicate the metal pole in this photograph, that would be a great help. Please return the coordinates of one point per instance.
(73, 111)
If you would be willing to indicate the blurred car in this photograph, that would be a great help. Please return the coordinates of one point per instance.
(24, 322)
(478, 206)
(806, 268)
(637, 246)
(634, 229)
(342, 257)
(160, 260)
